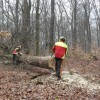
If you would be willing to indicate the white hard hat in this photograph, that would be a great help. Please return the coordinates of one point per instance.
(19, 46)
(62, 38)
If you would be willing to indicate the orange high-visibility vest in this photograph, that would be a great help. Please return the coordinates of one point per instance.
(60, 49)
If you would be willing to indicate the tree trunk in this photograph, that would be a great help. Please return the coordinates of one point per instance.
(52, 24)
(2, 25)
(16, 17)
(37, 28)
(43, 62)
(87, 26)
(8, 15)
(45, 26)
(26, 23)
(46, 62)
(73, 26)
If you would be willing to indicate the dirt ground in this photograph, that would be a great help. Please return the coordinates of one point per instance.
(27, 82)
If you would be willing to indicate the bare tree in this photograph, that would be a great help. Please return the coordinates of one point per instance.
(97, 17)
(73, 23)
(17, 17)
(37, 28)
(40, 27)
(87, 25)
(46, 26)
(52, 23)
(26, 22)
(2, 8)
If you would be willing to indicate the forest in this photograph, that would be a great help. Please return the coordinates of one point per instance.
(36, 25)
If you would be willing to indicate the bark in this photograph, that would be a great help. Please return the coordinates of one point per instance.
(87, 26)
(2, 6)
(43, 62)
(16, 17)
(8, 14)
(37, 28)
(38, 61)
(46, 62)
(74, 26)
(52, 23)
(97, 18)
(26, 23)
(45, 25)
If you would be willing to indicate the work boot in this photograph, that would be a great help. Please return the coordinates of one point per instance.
(59, 78)
(14, 62)
(54, 74)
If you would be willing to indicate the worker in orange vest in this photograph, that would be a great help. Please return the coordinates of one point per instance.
(60, 49)
(16, 54)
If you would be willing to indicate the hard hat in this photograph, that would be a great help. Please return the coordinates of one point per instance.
(19, 47)
(62, 38)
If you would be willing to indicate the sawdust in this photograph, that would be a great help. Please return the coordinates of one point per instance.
(76, 80)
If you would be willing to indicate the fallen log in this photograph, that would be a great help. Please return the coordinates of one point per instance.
(43, 62)
(47, 62)
(39, 61)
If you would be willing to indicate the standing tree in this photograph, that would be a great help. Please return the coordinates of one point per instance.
(97, 17)
(52, 24)
(2, 17)
(73, 23)
(16, 16)
(37, 28)
(45, 19)
(87, 25)
(26, 22)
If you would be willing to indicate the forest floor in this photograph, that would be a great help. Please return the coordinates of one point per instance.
(81, 81)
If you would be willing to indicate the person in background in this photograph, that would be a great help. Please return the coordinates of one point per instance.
(16, 54)
(60, 50)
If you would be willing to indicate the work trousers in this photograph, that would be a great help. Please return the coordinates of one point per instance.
(15, 59)
(58, 66)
